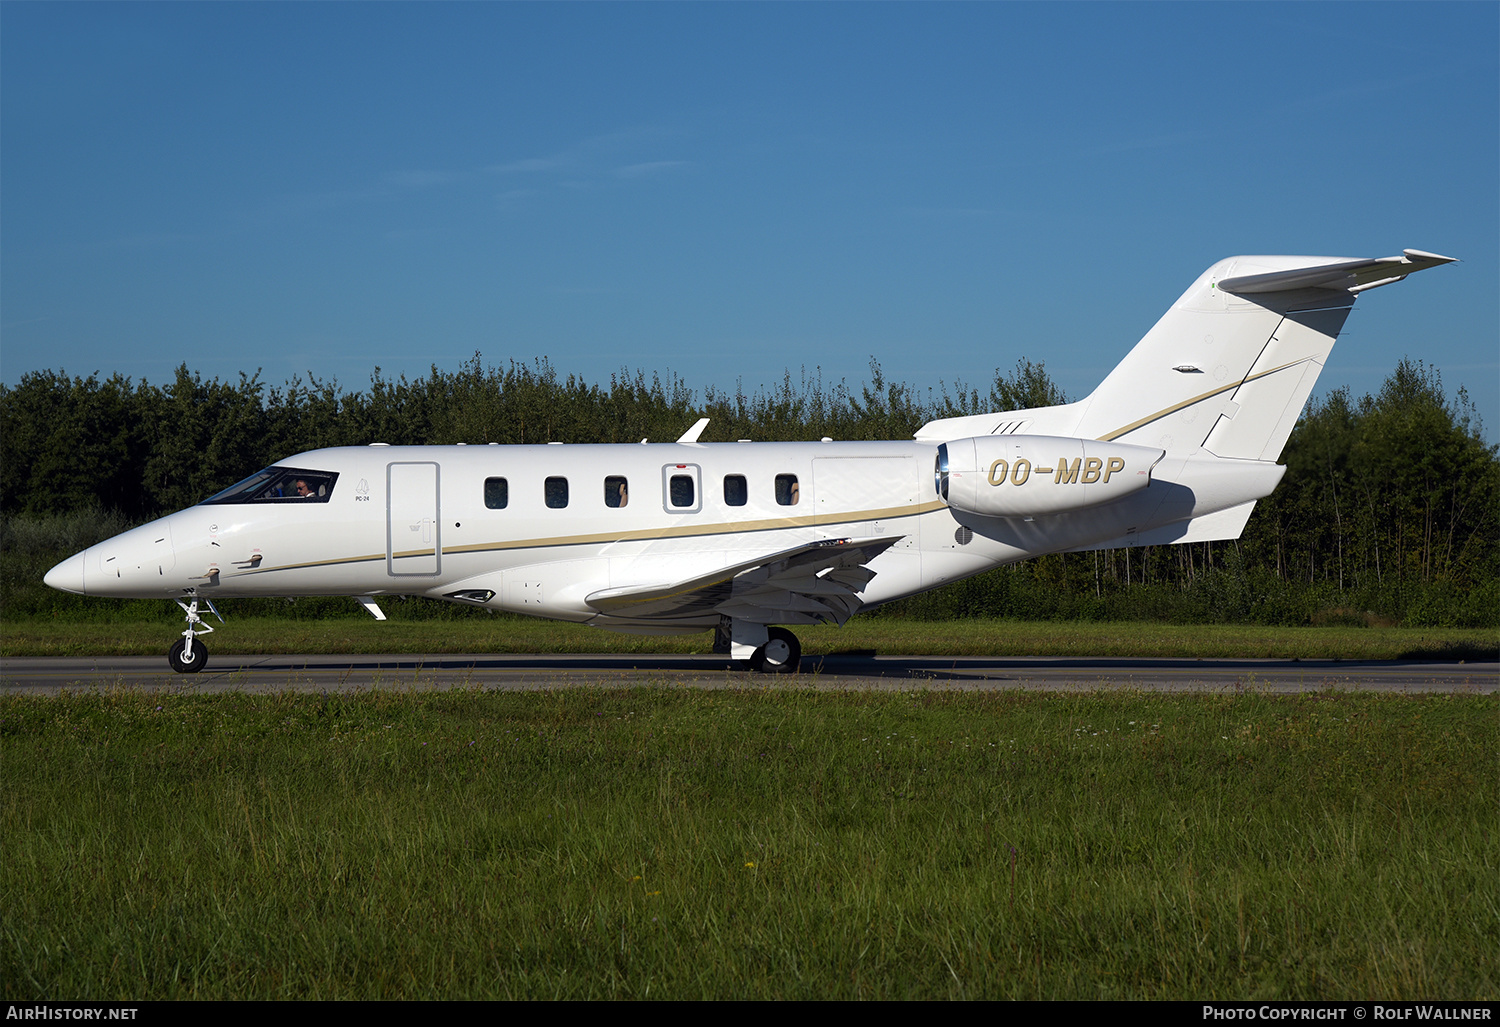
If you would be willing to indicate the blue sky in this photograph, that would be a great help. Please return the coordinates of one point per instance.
(725, 192)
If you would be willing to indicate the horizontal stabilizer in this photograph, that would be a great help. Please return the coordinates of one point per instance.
(1346, 275)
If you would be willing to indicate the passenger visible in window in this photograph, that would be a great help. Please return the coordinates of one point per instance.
(736, 493)
(616, 491)
(787, 493)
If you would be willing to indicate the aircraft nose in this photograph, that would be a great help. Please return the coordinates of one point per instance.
(68, 575)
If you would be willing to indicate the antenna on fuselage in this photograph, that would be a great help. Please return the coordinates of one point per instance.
(691, 435)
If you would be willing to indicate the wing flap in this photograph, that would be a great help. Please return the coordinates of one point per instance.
(816, 582)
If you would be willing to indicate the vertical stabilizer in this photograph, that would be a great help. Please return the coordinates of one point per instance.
(1228, 368)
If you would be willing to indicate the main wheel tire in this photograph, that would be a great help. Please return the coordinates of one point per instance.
(782, 653)
(180, 663)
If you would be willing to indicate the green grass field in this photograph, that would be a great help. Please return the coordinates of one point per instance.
(975, 637)
(655, 843)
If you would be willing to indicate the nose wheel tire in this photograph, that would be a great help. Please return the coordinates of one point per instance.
(184, 664)
(781, 654)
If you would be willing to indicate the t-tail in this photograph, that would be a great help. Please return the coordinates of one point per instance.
(1216, 385)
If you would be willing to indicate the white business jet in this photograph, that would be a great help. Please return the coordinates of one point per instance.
(1175, 445)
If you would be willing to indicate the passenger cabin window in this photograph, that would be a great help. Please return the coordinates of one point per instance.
(679, 488)
(616, 491)
(279, 485)
(557, 493)
(787, 492)
(736, 493)
(496, 493)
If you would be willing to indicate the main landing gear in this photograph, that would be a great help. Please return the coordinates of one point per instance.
(781, 654)
(765, 649)
(188, 655)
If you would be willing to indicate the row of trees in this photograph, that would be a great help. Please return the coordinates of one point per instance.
(67, 443)
(1390, 508)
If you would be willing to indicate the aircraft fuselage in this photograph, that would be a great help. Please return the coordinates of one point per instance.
(540, 528)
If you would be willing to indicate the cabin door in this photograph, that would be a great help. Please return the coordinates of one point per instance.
(412, 544)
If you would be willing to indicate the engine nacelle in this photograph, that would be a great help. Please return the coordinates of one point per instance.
(1036, 475)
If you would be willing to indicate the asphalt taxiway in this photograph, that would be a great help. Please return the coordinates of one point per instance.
(858, 671)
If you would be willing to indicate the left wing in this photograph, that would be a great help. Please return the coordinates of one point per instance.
(815, 583)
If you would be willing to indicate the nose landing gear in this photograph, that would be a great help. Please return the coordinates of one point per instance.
(188, 655)
(186, 660)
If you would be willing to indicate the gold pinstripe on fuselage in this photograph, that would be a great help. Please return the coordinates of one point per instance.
(633, 535)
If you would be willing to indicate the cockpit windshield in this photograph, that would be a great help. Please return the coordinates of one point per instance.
(279, 485)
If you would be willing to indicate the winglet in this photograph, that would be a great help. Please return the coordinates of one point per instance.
(691, 435)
